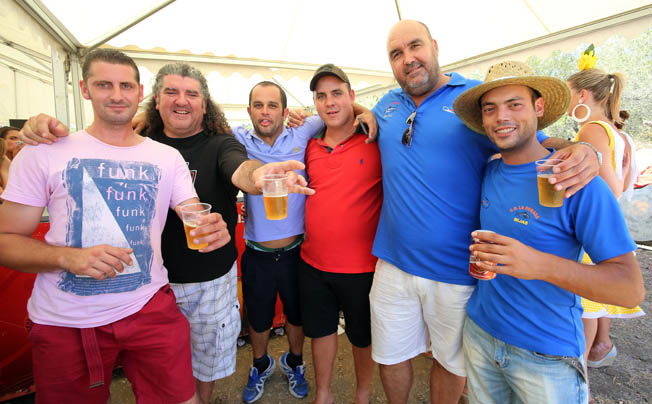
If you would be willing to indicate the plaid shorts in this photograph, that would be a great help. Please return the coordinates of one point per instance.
(213, 311)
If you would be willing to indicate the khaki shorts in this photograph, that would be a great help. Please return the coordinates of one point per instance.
(408, 312)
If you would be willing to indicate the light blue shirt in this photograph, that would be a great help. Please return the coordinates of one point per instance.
(290, 145)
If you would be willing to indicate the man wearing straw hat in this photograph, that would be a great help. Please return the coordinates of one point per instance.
(432, 172)
(523, 336)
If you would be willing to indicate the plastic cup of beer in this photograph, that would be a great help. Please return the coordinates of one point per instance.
(275, 195)
(473, 269)
(548, 195)
(190, 214)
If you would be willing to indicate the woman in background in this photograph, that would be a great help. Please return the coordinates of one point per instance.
(595, 105)
(12, 142)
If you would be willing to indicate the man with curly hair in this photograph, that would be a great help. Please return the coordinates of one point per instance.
(182, 114)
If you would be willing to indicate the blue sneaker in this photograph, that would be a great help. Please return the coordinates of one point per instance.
(298, 385)
(256, 384)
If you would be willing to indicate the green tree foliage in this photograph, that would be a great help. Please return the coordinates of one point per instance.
(633, 57)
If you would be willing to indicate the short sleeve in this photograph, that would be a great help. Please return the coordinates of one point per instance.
(599, 222)
(28, 178)
(311, 127)
(183, 188)
(230, 155)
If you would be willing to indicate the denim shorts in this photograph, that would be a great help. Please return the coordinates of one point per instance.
(501, 373)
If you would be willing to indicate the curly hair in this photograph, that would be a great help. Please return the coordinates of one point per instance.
(213, 121)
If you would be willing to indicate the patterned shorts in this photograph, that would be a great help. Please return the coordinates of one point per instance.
(213, 311)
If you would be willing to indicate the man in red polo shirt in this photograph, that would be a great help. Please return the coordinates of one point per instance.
(337, 267)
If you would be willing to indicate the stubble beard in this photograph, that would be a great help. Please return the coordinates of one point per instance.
(424, 86)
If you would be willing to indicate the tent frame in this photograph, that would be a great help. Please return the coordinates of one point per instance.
(76, 50)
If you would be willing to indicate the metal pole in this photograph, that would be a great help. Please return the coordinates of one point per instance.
(398, 9)
(122, 28)
(50, 23)
(78, 101)
(60, 87)
(15, 93)
(288, 92)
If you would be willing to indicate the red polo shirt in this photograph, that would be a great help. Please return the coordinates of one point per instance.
(342, 215)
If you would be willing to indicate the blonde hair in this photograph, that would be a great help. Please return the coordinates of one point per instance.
(607, 89)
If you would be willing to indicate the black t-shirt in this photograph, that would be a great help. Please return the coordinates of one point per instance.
(212, 160)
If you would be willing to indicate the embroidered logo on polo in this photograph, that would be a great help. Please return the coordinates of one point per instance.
(448, 109)
(390, 109)
(523, 214)
(112, 202)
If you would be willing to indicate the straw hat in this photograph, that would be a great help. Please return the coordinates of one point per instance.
(555, 93)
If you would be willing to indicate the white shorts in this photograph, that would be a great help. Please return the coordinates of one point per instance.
(408, 312)
(213, 311)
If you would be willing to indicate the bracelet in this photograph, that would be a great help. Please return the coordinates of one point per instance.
(597, 152)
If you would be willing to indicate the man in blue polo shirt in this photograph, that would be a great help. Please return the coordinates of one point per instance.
(269, 263)
(432, 172)
(523, 338)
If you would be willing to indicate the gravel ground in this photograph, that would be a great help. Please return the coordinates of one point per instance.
(629, 380)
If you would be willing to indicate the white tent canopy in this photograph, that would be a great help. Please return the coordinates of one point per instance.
(244, 42)
(344, 32)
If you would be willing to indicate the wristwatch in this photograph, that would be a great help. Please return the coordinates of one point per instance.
(597, 152)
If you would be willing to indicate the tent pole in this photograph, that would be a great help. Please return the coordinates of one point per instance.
(78, 101)
(398, 9)
(50, 23)
(123, 27)
(288, 92)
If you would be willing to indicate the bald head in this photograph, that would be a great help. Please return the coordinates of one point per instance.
(413, 55)
(400, 27)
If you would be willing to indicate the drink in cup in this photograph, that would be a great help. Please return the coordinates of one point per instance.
(190, 214)
(548, 195)
(473, 269)
(275, 195)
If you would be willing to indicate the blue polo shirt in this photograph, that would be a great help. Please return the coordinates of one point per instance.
(432, 188)
(290, 145)
(534, 314)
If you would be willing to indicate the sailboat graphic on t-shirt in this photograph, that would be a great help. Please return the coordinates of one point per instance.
(111, 202)
(99, 224)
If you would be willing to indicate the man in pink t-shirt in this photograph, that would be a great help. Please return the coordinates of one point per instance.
(102, 291)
